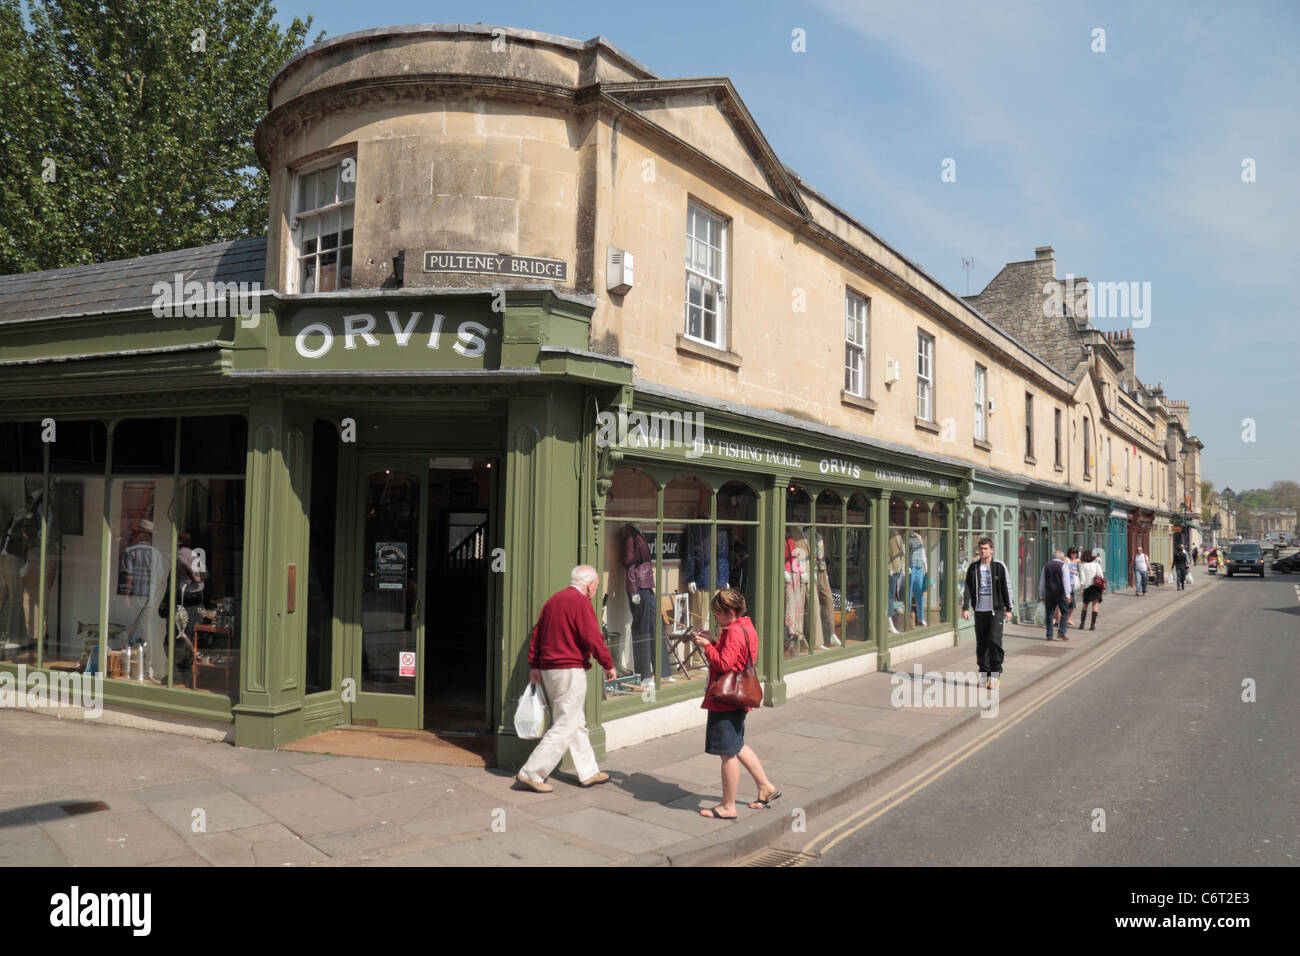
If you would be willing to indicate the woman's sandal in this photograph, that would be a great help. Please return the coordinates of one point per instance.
(764, 804)
(713, 812)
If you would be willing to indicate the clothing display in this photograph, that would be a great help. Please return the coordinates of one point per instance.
(897, 562)
(696, 562)
(640, 570)
(796, 582)
(22, 533)
(825, 604)
(918, 567)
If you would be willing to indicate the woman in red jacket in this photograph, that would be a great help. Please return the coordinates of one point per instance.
(737, 647)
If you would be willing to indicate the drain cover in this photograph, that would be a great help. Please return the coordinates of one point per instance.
(779, 858)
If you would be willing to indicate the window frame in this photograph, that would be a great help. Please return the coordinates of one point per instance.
(1029, 426)
(1056, 425)
(298, 217)
(925, 379)
(720, 281)
(860, 319)
(981, 430)
(1087, 449)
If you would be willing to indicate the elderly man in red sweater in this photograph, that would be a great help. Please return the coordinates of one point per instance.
(566, 635)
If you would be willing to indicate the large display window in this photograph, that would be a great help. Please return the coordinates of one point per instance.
(172, 508)
(973, 523)
(917, 584)
(667, 551)
(826, 557)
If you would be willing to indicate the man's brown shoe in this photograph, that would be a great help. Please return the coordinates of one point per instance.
(600, 777)
(536, 787)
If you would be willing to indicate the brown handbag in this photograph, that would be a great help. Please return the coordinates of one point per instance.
(736, 690)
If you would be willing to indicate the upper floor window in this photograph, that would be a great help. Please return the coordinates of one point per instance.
(924, 376)
(1087, 449)
(855, 344)
(1029, 425)
(706, 293)
(1139, 477)
(1057, 420)
(981, 402)
(1110, 468)
(324, 198)
(1126, 472)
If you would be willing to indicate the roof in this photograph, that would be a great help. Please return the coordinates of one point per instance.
(126, 284)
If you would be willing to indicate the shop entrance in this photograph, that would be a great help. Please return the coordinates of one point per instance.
(423, 586)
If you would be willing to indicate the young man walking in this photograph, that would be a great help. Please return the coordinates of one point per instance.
(566, 636)
(1054, 586)
(987, 580)
(1180, 567)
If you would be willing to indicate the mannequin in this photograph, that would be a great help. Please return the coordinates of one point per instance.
(144, 573)
(21, 534)
(918, 566)
(897, 562)
(640, 569)
(826, 604)
(697, 566)
(796, 587)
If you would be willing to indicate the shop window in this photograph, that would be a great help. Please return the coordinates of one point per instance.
(214, 445)
(320, 568)
(632, 494)
(324, 203)
(144, 446)
(141, 531)
(24, 511)
(81, 448)
(797, 551)
(737, 502)
(705, 276)
(687, 497)
(851, 606)
(21, 449)
(1028, 556)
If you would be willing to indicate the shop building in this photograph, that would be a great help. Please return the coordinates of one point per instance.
(476, 359)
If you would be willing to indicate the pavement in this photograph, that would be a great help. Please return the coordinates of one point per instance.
(81, 793)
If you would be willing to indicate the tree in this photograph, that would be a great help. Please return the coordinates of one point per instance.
(129, 126)
(1286, 494)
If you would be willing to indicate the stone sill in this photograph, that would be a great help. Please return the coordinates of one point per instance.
(1058, 468)
(982, 445)
(923, 425)
(1030, 460)
(858, 402)
(686, 346)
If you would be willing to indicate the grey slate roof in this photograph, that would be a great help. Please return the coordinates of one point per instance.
(126, 283)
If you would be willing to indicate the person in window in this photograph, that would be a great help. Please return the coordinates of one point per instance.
(189, 581)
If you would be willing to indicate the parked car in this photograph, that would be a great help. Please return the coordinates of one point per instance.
(1246, 558)
(1288, 565)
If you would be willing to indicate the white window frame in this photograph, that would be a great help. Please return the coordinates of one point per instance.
(717, 282)
(857, 339)
(1110, 467)
(924, 376)
(1029, 426)
(1057, 422)
(302, 218)
(981, 402)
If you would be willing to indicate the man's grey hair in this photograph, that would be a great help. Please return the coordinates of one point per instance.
(582, 575)
(1060, 555)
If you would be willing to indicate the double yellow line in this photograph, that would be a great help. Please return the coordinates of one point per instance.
(901, 793)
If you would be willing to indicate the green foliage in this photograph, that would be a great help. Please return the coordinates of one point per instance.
(149, 124)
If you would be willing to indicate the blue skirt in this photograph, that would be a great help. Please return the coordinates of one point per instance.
(724, 735)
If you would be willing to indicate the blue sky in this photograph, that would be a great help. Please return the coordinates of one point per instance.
(1128, 162)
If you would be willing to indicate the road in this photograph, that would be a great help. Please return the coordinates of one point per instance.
(1158, 738)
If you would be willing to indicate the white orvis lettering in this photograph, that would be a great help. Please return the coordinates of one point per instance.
(319, 328)
(403, 335)
(471, 342)
(361, 324)
(437, 328)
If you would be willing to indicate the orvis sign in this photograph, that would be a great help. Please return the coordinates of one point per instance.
(387, 338)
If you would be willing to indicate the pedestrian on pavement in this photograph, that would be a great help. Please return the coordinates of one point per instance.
(989, 581)
(724, 735)
(1072, 564)
(1089, 571)
(1054, 589)
(1180, 566)
(565, 636)
(1141, 568)
(1196, 555)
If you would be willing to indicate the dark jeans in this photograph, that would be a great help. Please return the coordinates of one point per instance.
(643, 636)
(1053, 602)
(1181, 572)
(988, 641)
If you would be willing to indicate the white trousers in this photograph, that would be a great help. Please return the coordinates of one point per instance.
(566, 691)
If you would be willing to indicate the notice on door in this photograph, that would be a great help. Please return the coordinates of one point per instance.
(406, 664)
(390, 565)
